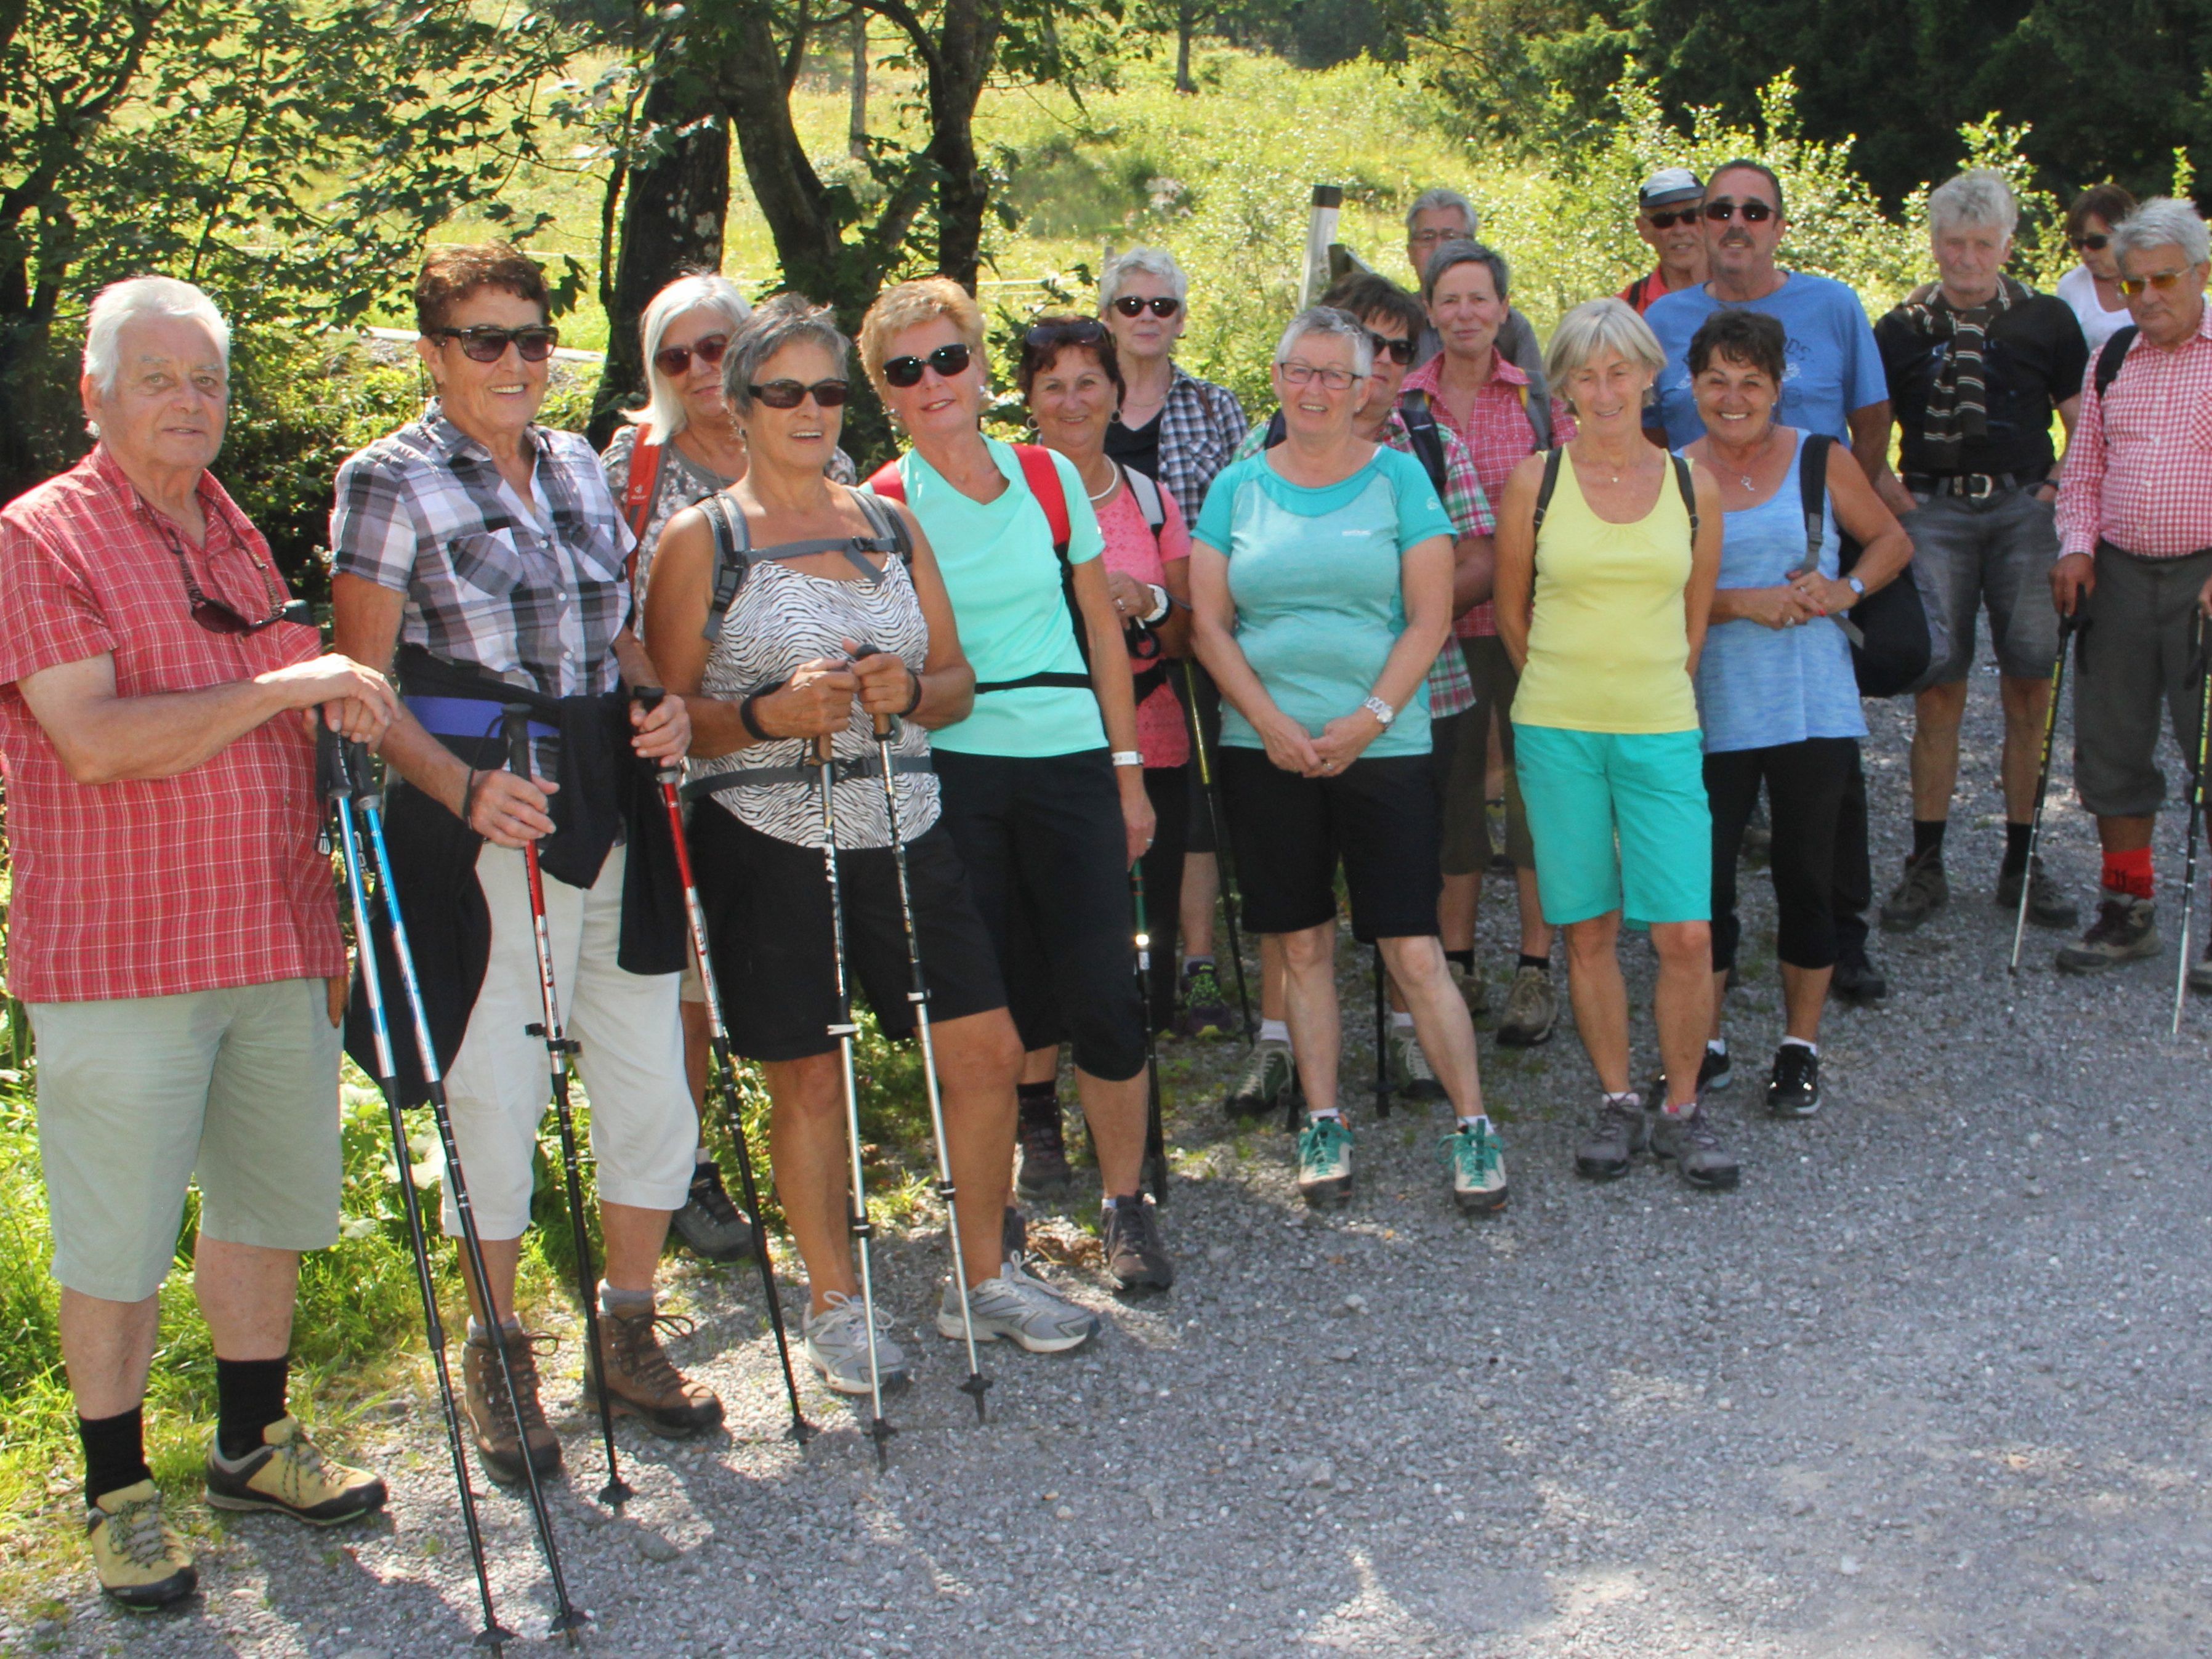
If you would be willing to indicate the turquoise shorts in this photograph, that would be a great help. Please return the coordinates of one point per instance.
(1612, 813)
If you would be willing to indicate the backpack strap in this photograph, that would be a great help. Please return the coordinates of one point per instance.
(1545, 490)
(888, 481)
(888, 525)
(1637, 290)
(1536, 405)
(1688, 485)
(1428, 439)
(638, 491)
(733, 544)
(1276, 430)
(1042, 474)
(1812, 495)
(2111, 356)
(1146, 489)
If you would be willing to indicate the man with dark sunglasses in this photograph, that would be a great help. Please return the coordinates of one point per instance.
(173, 928)
(1669, 218)
(1833, 384)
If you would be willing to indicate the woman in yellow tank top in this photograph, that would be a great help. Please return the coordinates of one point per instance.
(1608, 553)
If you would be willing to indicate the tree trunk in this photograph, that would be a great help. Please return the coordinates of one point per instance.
(856, 126)
(672, 223)
(968, 36)
(1186, 21)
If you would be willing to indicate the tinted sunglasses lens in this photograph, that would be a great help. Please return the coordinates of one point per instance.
(711, 349)
(674, 361)
(2093, 244)
(830, 393)
(219, 618)
(948, 360)
(780, 394)
(902, 371)
(1164, 305)
(1756, 213)
(535, 345)
(481, 345)
(1129, 306)
(1080, 330)
(1673, 217)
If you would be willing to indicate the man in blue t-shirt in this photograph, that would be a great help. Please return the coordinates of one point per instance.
(1834, 384)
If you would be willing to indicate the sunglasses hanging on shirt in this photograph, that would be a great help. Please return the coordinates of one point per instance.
(217, 617)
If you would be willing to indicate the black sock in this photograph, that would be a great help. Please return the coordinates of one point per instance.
(1465, 958)
(2016, 858)
(1039, 1101)
(1928, 838)
(1542, 964)
(249, 1396)
(114, 1452)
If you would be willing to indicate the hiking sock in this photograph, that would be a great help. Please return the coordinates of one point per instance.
(1464, 958)
(1468, 1123)
(2129, 872)
(1716, 1046)
(1402, 1019)
(1192, 964)
(2016, 858)
(1813, 1049)
(1039, 1101)
(1928, 839)
(1274, 1030)
(114, 1452)
(249, 1396)
(630, 1302)
(1541, 964)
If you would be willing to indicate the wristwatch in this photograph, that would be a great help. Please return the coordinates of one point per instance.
(1160, 607)
(1383, 712)
(1855, 585)
(1127, 757)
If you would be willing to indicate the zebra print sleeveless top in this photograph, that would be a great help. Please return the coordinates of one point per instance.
(783, 617)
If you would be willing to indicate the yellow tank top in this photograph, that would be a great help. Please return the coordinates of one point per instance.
(1608, 640)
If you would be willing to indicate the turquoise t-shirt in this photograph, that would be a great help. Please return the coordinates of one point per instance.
(1314, 576)
(1004, 581)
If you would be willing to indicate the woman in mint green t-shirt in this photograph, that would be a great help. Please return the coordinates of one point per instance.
(1320, 578)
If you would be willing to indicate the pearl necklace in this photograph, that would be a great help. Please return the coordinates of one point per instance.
(1098, 495)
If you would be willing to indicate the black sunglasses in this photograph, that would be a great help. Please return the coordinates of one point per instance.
(1161, 305)
(2092, 243)
(1668, 218)
(482, 344)
(1065, 331)
(947, 359)
(1754, 212)
(673, 361)
(1399, 351)
(789, 394)
(217, 617)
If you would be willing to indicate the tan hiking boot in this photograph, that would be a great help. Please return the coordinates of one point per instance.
(492, 1417)
(642, 1382)
(290, 1475)
(141, 1562)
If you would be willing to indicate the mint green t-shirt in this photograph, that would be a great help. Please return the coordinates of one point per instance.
(1003, 579)
(1315, 574)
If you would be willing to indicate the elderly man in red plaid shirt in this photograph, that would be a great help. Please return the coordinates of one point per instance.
(173, 929)
(2135, 525)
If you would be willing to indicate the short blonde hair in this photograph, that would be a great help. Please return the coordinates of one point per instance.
(1598, 325)
(910, 305)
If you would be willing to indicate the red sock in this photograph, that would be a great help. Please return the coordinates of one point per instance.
(2129, 872)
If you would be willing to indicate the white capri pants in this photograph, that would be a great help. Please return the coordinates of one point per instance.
(629, 1053)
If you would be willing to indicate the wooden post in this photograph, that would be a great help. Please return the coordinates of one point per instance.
(1321, 231)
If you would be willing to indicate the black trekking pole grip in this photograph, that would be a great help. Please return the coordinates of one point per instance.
(514, 727)
(650, 697)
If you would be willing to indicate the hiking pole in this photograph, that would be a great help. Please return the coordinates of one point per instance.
(2067, 624)
(1381, 1037)
(1155, 1141)
(719, 1040)
(559, 1048)
(844, 1031)
(570, 1618)
(344, 769)
(917, 994)
(2196, 817)
(1210, 790)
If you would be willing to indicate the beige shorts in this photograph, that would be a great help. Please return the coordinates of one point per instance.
(140, 1097)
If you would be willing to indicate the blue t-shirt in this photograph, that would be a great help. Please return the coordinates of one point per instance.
(1759, 686)
(1315, 574)
(1003, 579)
(1832, 367)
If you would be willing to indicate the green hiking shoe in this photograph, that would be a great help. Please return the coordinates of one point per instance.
(1476, 1159)
(1325, 1160)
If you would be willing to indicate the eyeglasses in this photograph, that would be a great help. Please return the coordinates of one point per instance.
(1160, 305)
(1336, 379)
(947, 359)
(2160, 280)
(2092, 243)
(1399, 351)
(1754, 212)
(482, 344)
(1065, 331)
(217, 617)
(789, 394)
(1668, 218)
(1431, 238)
(673, 361)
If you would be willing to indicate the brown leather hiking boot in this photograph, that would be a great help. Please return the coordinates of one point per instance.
(492, 1419)
(642, 1382)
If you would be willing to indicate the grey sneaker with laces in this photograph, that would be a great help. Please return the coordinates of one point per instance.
(1532, 1009)
(1410, 1074)
(1267, 1074)
(1925, 890)
(1689, 1141)
(1026, 1311)
(1477, 1162)
(2125, 930)
(1615, 1139)
(837, 1347)
(2047, 907)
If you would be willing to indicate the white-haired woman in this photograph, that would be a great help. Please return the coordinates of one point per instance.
(1321, 584)
(1608, 553)
(1181, 430)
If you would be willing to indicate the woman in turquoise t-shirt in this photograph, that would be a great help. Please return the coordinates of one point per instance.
(1321, 576)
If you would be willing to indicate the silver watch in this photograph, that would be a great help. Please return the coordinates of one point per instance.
(1383, 712)
(1855, 585)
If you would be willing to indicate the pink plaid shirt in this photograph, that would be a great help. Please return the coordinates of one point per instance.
(159, 886)
(2139, 468)
(1498, 437)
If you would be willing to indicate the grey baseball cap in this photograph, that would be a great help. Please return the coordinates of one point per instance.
(1668, 185)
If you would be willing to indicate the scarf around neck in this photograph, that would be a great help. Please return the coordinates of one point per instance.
(1958, 402)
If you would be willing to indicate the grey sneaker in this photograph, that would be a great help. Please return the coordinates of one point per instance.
(1325, 1160)
(837, 1346)
(1473, 990)
(1410, 1074)
(1688, 1141)
(1477, 1162)
(709, 1225)
(2046, 906)
(1027, 1312)
(1268, 1073)
(1924, 892)
(1614, 1139)
(1532, 1008)
(2125, 930)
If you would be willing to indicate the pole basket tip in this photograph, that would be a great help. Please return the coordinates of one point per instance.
(616, 1493)
(495, 1637)
(800, 1432)
(975, 1387)
(881, 1432)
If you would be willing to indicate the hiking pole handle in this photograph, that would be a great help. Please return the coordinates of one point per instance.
(650, 697)
(341, 765)
(515, 725)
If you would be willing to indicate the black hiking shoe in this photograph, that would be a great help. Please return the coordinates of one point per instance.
(1714, 1071)
(710, 1224)
(1044, 1173)
(1134, 1254)
(2046, 906)
(1924, 892)
(1793, 1090)
(1857, 980)
(1014, 1233)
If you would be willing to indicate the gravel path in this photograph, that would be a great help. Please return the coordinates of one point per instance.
(1932, 1382)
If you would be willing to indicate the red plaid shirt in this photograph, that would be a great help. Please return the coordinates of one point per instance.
(2139, 466)
(1499, 438)
(164, 885)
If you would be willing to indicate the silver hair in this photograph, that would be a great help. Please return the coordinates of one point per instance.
(2162, 222)
(1980, 195)
(1464, 252)
(1598, 325)
(787, 319)
(1141, 261)
(1339, 324)
(662, 416)
(1429, 200)
(136, 298)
